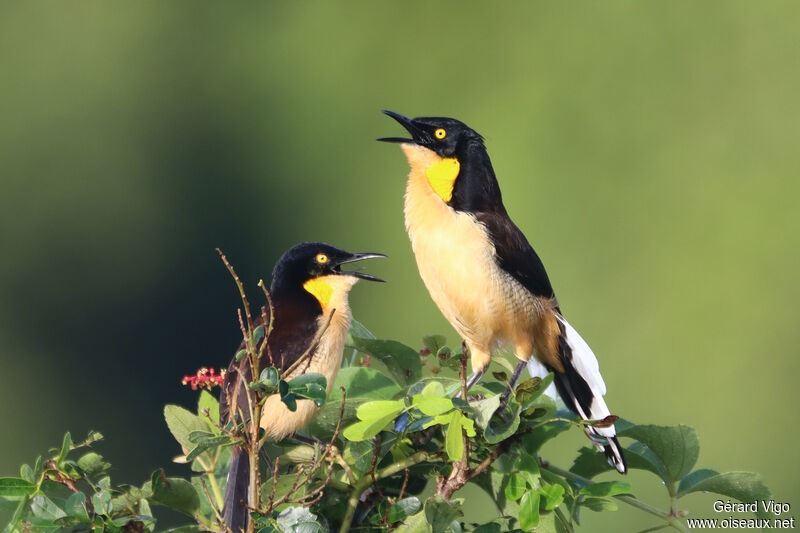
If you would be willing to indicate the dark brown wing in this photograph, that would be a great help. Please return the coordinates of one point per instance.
(294, 327)
(514, 254)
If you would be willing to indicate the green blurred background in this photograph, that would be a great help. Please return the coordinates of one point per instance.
(649, 151)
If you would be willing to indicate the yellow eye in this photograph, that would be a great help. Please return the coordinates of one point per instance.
(322, 259)
(440, 133)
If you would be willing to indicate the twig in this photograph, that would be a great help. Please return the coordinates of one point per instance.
(220, 520)
(375, 451)
(403, 486)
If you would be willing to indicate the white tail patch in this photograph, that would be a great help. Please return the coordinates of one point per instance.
(538, 370)
(585, 362)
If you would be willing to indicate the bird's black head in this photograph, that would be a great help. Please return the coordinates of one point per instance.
(311, 260)
(445, 136)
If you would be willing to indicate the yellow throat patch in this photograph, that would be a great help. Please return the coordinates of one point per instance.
(442, 175)
(320, 289)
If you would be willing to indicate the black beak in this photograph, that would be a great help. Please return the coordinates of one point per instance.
(358, 257)
(418, 135)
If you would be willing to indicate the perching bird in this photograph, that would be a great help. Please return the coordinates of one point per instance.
(484, 275)
(309, 291)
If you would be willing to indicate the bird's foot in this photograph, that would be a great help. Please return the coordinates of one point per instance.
(511, 384)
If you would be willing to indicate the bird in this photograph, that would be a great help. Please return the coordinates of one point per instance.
(310, 311)
(483, 274)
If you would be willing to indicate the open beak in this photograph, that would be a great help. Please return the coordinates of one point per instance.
(418, 135)
(358, 257)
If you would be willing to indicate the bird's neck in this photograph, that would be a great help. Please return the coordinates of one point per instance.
(476, 188)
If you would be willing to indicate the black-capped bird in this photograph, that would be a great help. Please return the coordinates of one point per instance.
(483, 274)
(309, 292)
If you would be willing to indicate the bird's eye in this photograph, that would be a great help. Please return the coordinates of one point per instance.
(322, 259)
(440, 133)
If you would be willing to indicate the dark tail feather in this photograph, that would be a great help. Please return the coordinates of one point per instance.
(235, 511)
(579, 398)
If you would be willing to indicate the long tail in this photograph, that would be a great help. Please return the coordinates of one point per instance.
(582, 388)
(235, 510)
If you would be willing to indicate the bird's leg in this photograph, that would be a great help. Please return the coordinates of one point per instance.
(474, 378)
(511, 383)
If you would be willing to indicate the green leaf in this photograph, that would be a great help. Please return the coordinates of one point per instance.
(491, 527)
(404, 508)
(101, 501)
(14, 486)
(440, 513)
(367, 429)
(469, 426)
(434, 342)
(402, 361)
(19, 512)
(454, 443)
(605, 488)
(327, 418)
(66, 446)
(75, 506)
(744, 486)
(310, 386)
(693, 479)
(44, 507)
(431, 405)
(93, 465)
(175, 493)
(552, 495)
(600, 504)
(26, 473)
(433, 389)
(207, 401)
(677, 447)
(380, 409)
(484, 409)
(268, 381)
(416, 523)
(258, 334)
(504, 429)
(534, 440)
(298, 520)
(181, 423)
(528, 467)
(516, 487)
(240, 355)
(362, 382)
(529, 510)
(532, 388)
(208, 444)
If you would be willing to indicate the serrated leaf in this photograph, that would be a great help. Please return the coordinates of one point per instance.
(677, 447)
(402, 361)
(529, 510)
(605, 488)
(744, 486)
(14, 486)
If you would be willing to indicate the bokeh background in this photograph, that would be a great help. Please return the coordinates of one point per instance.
(649, 150)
